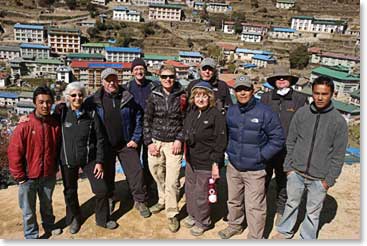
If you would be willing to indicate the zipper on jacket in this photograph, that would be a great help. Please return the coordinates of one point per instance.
(312, 142)
(90, 130)
(43, 144)
(63, 139)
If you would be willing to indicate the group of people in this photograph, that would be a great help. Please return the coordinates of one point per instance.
(149, 126)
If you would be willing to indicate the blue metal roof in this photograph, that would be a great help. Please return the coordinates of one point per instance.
(259, 52)
(26, 26)
(123, 49)
(121, 8)
(190, 53)
(263, 57)
(105, 65)
(267, 85)
(33, 46)
(198, 3)
(8, 95)
(248, 65)
(283, 29)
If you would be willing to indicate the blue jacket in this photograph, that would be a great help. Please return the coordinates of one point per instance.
(130, 113)
(254, 135)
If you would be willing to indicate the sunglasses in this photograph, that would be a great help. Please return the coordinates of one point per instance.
(171, 76)
(74, 95)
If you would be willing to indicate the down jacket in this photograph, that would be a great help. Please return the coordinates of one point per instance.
(163, 116)
(34, 148)
(254, 135)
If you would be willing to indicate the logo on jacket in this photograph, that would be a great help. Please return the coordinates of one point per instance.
(67, 124)
(255, 120)
(206, 122)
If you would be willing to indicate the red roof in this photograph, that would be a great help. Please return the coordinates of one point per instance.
(84, 64)
(176, 64)
(80, 64)
(226, 46)
(3, 75)
(256, 25)
(314, 50)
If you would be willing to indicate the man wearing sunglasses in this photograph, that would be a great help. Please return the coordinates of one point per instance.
(285, 102)
(122, 119)
(254, 136)
(209, 73)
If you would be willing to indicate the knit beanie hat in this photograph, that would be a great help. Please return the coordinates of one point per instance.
(138, 62)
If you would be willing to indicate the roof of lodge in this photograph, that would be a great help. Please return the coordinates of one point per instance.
(283, 29)
(190, 53)
(336, 74)
(33, 46)
(123, 49)
(99, 64)
(28, 26)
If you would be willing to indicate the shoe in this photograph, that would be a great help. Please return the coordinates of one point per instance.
(156, 208)
(188, 222)
(279, 236)
(143, 209)
(111, 205)
(74, 226)
(173, 224)
(109, 225)
(54, 231)
(229, 232)
(197, 231)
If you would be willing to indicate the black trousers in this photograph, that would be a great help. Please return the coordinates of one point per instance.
(276, 165)
(148, 178)
(99, 188)
(130, 162)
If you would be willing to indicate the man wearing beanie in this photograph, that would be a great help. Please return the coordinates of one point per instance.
(122, 119)
(141, 87)
(209, 73)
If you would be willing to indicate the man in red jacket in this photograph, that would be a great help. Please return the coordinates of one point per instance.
(32, 154)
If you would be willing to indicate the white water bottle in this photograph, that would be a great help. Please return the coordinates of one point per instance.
(212, 191)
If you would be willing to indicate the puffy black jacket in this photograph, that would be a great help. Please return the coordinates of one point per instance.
(83, 138)
(163, 116)
(285, 106)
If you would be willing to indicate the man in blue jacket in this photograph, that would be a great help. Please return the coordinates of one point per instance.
(254, 136)
(122, 119)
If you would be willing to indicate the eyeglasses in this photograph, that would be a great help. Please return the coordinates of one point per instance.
(207, 68)
(243, 88)
(171, 76)
(74, 95)
(204, 97)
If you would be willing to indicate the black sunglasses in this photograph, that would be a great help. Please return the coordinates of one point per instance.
(171, 76)
(74, 95)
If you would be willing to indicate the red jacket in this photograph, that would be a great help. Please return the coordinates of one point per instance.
(34, 148)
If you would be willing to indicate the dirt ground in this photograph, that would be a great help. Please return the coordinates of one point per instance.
(340, 218)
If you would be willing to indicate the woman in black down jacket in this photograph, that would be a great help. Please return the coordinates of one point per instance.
(206, 139)
(82, 147)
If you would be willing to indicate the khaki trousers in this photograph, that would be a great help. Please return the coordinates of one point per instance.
(165, 170)
(246, 194)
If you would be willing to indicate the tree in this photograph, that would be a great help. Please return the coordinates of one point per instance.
(71, 4)
(148, 30)
(298, 57)
(231, 68)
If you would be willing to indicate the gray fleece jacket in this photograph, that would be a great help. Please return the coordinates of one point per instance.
(316, 143)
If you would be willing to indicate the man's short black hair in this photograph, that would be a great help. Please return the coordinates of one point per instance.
(323, 80)
(42, 90)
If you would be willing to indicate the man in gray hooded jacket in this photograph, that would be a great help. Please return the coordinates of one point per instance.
(316, 144)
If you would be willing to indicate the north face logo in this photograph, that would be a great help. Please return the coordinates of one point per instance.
(255, 120)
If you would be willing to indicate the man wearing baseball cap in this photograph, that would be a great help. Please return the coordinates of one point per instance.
(254, 136)
(209, 73)
(122, 119)
(285, 102)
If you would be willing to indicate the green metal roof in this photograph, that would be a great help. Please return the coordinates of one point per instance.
(49, 61)
(98, 45)
(84, 55)
(345, 107)
(62, 29)
(335, 74)
(303, 17)
(356, 94)
(329, 22)
(159, 57)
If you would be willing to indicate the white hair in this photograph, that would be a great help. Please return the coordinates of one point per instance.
(76, 85)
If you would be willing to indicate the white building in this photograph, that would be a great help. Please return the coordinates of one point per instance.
(262, 60)
(282, 33)
(9, 52)
(28, 50)
(25, 103)
(8, 99)
(166, 12)
(251, 37)
(4, 79)
(218, 7)
(228, 27)
(95, 48)
(199, 5)
(190, 58)
(124, 14)
(255, 28)
(64, 74)
(35, 68)
(147, 2)
(122, 54)
(29, 33)
(285, 4)
(64, 40)
(311, 24)
(99, 2)
(245, 55)
(333, 59)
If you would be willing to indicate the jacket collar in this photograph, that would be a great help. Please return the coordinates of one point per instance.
(276, 96)
(325, 110)
(177, 89)
(248, 106)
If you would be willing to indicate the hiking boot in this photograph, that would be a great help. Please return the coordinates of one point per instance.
(109, 225)
(53, 231)
(279, 236)
(156, 208)
(143, 209)
(229, 232)
(111, 205)
(188, 222)
(173, 224)
(197, 231)
(74, 226)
